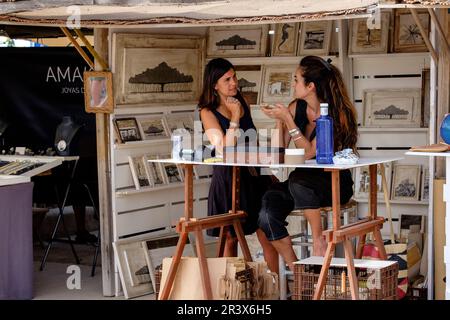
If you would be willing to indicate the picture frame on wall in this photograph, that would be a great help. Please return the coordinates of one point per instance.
(249, 82)
(405, 182)
(277, 84)
(364, 40)
(407, 36)
(127, 129)
(362, 182)
(285, 40)
(140, 172)
(156, 171)
(392, 108)
(98, 92)
(315, 38)
(237, 41)
(425, 98)
(179, 121)
(152, 128)
(157, 69)
(133, 270)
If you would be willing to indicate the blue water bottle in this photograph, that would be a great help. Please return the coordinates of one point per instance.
(324, 134)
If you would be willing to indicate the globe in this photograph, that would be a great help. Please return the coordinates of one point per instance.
(445, 128)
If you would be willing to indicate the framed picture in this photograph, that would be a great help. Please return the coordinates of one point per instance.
(98, 92)
(365, 40)
(153, 128)
(133, 270)
(153, 69)
(233, 41)
(407, 36)
(425, 98)
(140, 172)
(249, 82)
(285, 39)
(127, 129)
(278, 82)
(180, 121)
(407, 220)
(405, 182)
(362, 182)
(315, 38)
(391, 107)
(172, 172)
(425, 185)
(155, 171)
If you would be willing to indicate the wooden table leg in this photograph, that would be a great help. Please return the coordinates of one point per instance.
(324, 270)
(361, 243)
(188, 191)
(174, 266)
(351, 269)
(379, 243)
(222, 240)
(242, 242)
(206, 282)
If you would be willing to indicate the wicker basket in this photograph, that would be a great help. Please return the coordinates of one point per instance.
(377, 280)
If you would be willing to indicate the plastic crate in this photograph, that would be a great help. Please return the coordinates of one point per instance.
(377, 280)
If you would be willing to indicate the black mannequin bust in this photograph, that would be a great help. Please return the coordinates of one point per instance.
(65, 134)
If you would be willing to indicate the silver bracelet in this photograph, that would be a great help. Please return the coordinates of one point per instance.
(234, 125)
(298, 138)
(294, 132)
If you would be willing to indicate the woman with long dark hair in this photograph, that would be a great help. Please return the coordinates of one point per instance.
(224, 113)
(316, 81)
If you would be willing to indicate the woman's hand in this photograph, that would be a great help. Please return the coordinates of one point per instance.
(234, 106)
(278, 112)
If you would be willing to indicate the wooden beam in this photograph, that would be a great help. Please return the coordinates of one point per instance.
(78, 47)
(358, 229)
(97, 57)
(439, 29)
(424, 36)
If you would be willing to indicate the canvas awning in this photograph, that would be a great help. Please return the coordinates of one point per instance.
(134, 12)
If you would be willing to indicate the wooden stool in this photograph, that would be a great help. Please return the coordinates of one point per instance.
(301, 239)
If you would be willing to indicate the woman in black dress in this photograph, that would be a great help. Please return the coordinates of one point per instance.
(224, 113)
(316, 81)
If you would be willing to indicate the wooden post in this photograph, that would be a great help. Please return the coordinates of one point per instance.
(335, 189)
(104, 178)
(373, 191)
(188, 192)
(424, 35)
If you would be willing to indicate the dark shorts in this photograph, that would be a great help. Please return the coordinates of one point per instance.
(305, 189)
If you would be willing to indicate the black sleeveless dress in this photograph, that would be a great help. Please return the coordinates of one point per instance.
(252, 187)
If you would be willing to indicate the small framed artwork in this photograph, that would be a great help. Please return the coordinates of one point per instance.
(364, 40)
(140, 172)
(405, 182)
(391, 108)
(133, 270)
(425, 98)
(155, 171)
(152, 128)
(98, 92)
(362, 182)
(407, 220)
(182, 122)
(425, 185)
(172, 172)
(278, 82)
(234, 41)
(285, 39)
(127, 129)
(407, 36)
(315, 38)
(249, 82)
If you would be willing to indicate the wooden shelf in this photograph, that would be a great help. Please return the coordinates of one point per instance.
(390, 55)
(132, 191)
(141, 144)
(381, 202)
(271, 60)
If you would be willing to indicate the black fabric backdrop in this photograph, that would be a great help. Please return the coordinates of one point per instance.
(39, 86)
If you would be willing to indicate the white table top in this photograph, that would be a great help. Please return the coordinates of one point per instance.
(428, 154)
(6, 180)
(365, 161)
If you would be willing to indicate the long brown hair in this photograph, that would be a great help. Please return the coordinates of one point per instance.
(330, 88)
(214, 70)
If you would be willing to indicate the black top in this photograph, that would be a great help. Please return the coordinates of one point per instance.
(301, 119)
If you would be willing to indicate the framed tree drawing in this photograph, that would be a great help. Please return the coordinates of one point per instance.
(391, 108)
(315, 38)
(277, 84)
(362, 182)
(155, 69)
(133, 270)
(405, 182)
(152, 128)
(233, 41)
(285, 39)
(249, 82)
(407, 36)
(140, 172)
(364, 40)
